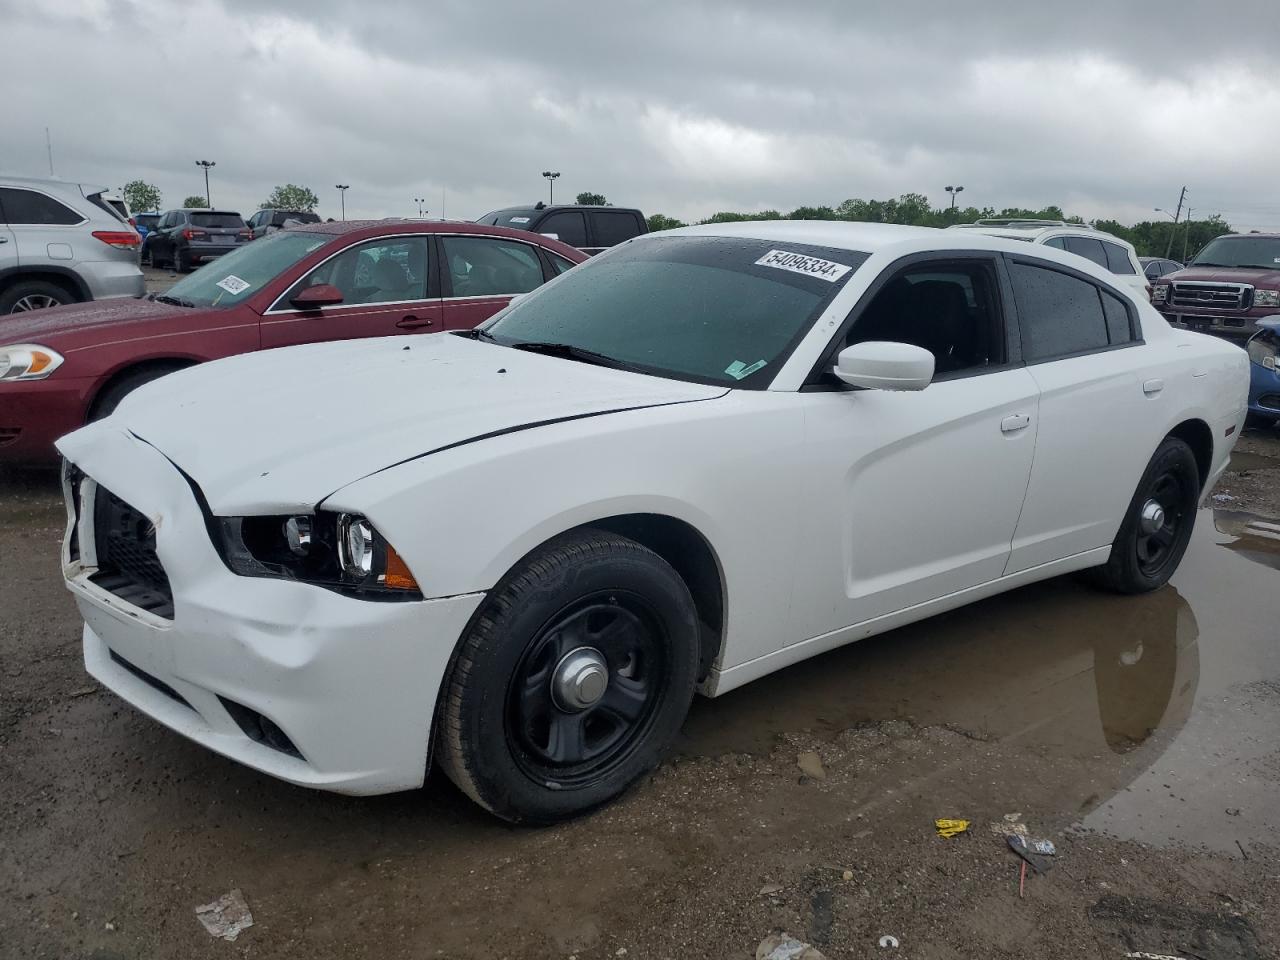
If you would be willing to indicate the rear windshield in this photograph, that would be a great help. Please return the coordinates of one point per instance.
(516, 219)
(217, 220)
(1260, 252)
(282, 215)
(238, 275)
(147, 219)
(709, 309)
(113, 208)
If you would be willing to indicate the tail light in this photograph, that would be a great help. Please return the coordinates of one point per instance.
(124, 239)
(246, 234)
(189, 234)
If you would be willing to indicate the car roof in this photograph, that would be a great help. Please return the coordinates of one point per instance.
(552, 207)
(1253, 235)
(364, 229)
(1037, 232)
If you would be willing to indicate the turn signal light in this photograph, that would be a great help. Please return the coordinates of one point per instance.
(398, 576)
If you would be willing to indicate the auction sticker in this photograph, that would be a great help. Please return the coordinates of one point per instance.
(232, 284)
(739, 370)
(809, 266)
(519, 219)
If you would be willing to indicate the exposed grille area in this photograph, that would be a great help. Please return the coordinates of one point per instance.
(125, 542)
(1228, 296)
(153, 682)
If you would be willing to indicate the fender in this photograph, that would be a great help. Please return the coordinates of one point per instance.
(20, 273)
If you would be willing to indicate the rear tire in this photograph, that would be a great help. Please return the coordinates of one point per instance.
(522, 730)
(30, 295)
(180, 264)
(1151, 541)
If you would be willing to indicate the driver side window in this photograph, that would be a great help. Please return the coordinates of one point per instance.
(390, 270)
(951, 309)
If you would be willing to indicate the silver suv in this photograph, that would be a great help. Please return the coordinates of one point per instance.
(63, 243)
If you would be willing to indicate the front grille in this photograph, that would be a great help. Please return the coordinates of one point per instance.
(1224, 296)
(125, 541)
(154, 682)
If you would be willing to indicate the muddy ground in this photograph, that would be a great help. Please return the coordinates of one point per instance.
(1139, 734)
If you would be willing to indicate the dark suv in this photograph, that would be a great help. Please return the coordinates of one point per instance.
(186, 238)
(268, 220)
(590, 229)
(1231, 284)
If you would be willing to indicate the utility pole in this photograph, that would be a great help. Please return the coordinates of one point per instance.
(207, 164)
(1169, 246)
(1186, 235)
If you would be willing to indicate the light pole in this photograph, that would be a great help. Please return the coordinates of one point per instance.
(953, 191)
(420, 201)
(206, 164)
(551, 184)
(342, 193)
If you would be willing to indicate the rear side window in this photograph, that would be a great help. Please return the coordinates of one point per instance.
(1058, 314)
(559, 264)
(568, 227)
(217, 220)
(486, 266)
(1118, 326)
(612, 228)
(1059, 243)
(1088, 248)
(27, 206)
(1117, 258)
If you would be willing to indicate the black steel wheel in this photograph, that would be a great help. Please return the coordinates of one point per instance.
(571, 681)
(1157, 526)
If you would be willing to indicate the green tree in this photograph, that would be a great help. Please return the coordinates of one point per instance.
(194, 201)
(142, 197)
(660, 221)
(291, 197)
(592, 200)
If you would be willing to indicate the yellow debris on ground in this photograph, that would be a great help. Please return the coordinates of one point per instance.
(949, 828)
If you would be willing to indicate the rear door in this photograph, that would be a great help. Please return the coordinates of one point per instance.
(1082, 345)
(389, 285)
(567, 226)
(608, 228)
(481, 274)
(43, 228)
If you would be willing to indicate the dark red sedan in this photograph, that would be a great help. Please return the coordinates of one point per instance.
(63, 367)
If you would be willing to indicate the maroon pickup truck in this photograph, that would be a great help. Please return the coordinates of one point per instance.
(1230, 285)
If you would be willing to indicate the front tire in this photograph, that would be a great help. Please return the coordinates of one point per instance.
(1158, 523)
(572, 680)
(33, 295)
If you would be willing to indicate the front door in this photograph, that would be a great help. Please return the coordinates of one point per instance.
(915, 495)
(385, 288)
(481, 274)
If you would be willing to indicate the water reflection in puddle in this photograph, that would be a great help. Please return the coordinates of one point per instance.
(1165, 704)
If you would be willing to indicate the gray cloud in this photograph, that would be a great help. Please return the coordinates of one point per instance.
(682, 108)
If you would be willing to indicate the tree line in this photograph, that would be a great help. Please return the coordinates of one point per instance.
(145, 197)
(1151, 238)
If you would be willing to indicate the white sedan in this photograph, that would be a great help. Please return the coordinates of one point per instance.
(700, 457)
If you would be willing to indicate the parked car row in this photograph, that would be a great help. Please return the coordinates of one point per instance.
(516, 549)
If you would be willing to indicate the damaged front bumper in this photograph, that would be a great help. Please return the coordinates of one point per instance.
(305, 684)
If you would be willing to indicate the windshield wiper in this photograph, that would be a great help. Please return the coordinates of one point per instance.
(477, 334)
(569, 352)
(176, 301)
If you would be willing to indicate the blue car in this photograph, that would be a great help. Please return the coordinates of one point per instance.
(1264, 367)
(144, 223)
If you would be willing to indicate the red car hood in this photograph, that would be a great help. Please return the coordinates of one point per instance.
(61, 326)
(1259, 278)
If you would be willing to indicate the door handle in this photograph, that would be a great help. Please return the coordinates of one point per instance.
(1152, 387)
(1014, 423)
(410, 322)
(4, 239)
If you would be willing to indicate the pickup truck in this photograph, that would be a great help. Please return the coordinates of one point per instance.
(1231, 284)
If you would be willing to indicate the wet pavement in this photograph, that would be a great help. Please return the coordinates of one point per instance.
(1138, 732)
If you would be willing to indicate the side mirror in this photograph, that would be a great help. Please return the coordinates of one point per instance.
(315, 297)
(882, 365)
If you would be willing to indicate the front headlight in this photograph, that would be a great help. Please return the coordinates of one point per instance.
(1263, 348)
(1266, 298)
(338, 551)
(28, 361)
(1160, 293)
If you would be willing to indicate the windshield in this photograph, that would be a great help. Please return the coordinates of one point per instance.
(233, 278)
(709, 309)
(1261, 252)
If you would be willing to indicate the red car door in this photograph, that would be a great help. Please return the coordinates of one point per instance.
(479, 276)
(386, 286)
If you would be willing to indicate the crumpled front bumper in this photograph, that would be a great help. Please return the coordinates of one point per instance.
(351, 683)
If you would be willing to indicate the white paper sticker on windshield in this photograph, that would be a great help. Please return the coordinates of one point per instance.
(232, 284)
(739, 370)
(809, 266)
(519, 219)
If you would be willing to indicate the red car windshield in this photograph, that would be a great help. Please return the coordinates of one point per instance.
(233, 278)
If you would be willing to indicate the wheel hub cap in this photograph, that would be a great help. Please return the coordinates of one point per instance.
(1152, 517)
(580, 679)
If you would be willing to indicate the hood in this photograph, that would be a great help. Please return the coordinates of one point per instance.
(281, 430)
(51, 326)
(1259, 278)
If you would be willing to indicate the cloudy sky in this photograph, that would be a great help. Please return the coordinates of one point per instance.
(683, 108)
